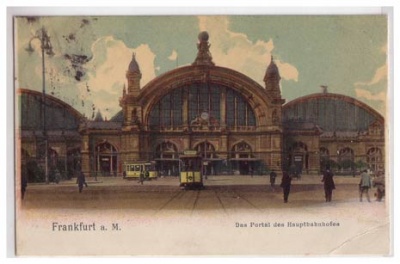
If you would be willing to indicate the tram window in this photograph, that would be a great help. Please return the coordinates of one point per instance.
(132, 168)
(191, 164)
(137, 167)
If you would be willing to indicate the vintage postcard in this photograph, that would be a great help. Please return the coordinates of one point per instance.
(211, 135)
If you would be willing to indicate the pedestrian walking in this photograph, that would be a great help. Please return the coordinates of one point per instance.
(81, 181)
(365, 184)
(285, 184)
(379, 183)
(57, 176)
(272, 177)
(24, 181)
(329, 184)
(141, 177)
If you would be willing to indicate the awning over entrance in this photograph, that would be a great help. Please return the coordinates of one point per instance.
(245, 159)
(166, 159)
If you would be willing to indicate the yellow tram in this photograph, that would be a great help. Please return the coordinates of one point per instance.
(190, 170)
(135, 168)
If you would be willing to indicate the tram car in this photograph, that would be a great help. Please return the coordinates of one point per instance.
(190, 170)
(133, 170)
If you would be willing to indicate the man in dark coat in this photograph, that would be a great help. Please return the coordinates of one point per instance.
(272, 177)
(81, 180)
(24, 181)
(285, 184)
(379, 183)
(329, 184)
(141, 177)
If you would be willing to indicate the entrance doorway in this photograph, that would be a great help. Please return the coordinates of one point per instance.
(106, 160)
(242, 159)
(298, 158)
(207, 152)
(167, 160)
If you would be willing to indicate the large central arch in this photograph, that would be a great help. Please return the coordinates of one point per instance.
(252, 92)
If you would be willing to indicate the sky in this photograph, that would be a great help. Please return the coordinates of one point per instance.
(347, 53)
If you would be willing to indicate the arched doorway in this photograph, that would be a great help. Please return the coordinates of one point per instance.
(374, 159)
(324, 158)
(207, 151)
(298, 158)
(346, 159)
(167, 159)
(242, 158)
(106, 159)
(73, 161)
(53, 158)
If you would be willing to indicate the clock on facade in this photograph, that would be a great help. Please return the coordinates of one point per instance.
(204, 116)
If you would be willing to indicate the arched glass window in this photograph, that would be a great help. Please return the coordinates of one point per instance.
(167, 113)
(346, 158)
(324, 152)
(204, 99)
(299, 147)
(204, 108)
(206, 150)
(241, 150)
(374, 158)
(346, 153)
(166, 150)
(239, 112)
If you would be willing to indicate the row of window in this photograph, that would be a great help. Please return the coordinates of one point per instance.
(204, 108)
(331, 114)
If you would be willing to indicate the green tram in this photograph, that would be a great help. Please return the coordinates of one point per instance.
(191, 170)
(134, 169)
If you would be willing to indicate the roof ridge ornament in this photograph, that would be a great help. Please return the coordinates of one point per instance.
(133, 65)
(272, 71)
(203, 55)
(272, 80)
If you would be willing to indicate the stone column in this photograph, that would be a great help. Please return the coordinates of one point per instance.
(85, 155)
(313, 162)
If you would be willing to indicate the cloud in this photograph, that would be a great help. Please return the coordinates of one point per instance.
(236, 51)
(287, 71)
(105, 80)
(367, 91)
(380, 75)
(376, 100)
(361, 93)
(173, 56)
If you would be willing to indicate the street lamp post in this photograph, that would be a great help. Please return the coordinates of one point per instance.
(45, 46)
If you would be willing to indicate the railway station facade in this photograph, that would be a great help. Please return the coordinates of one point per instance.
(234, 123)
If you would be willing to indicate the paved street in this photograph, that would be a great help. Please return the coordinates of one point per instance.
(221, 192)
(226, 213)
